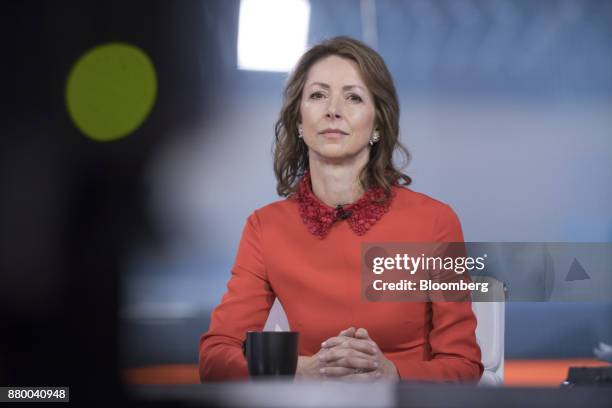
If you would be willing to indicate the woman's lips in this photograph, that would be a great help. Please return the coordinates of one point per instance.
(333, 134)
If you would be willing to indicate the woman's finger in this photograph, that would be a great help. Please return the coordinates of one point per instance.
(365, 346)
(337, 353)
(332, 356)
(368, 376)
(362, 333)
(336, 371)
(354, 362)
(350, 332)
(334, 341)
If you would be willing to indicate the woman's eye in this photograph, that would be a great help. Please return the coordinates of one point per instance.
(316, 95)
(355, 98)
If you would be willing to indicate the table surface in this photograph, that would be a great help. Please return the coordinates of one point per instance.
(517, 373)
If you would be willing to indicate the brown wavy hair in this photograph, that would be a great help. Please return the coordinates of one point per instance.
(291, 153)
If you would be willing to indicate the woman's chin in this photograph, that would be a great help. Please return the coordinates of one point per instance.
(335, 152)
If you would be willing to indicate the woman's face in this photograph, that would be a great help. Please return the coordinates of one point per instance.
(337, 110)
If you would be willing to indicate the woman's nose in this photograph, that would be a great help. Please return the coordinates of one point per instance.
(334, 109)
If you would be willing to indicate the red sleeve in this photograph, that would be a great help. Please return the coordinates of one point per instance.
(245, 306)
(455, 354)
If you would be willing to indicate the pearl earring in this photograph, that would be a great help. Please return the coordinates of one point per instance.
(300, 132)
(375, 138)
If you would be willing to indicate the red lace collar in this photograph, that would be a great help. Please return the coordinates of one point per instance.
(360, 215)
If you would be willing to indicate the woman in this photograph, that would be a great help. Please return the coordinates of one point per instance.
(335, 137)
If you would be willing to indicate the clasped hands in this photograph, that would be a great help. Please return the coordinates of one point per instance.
(352, 355)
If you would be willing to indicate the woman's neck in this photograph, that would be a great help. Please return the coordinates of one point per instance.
(336, 183)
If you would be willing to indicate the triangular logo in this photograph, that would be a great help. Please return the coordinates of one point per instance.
(576, 272)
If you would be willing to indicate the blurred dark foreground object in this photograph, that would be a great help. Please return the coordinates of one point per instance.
(373, 394)
(72, 210)
(590, 376)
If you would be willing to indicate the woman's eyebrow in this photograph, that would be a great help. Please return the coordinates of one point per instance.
(326, 86)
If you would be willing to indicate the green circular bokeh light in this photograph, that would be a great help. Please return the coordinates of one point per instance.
(110, 91)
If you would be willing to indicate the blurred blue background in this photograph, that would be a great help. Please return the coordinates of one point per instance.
(506, 107)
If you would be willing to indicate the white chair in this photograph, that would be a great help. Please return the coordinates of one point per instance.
(489, 330)
(277, 319)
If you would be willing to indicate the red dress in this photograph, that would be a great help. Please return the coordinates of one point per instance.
(300, 251)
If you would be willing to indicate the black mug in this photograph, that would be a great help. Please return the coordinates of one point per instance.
(271, 353)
